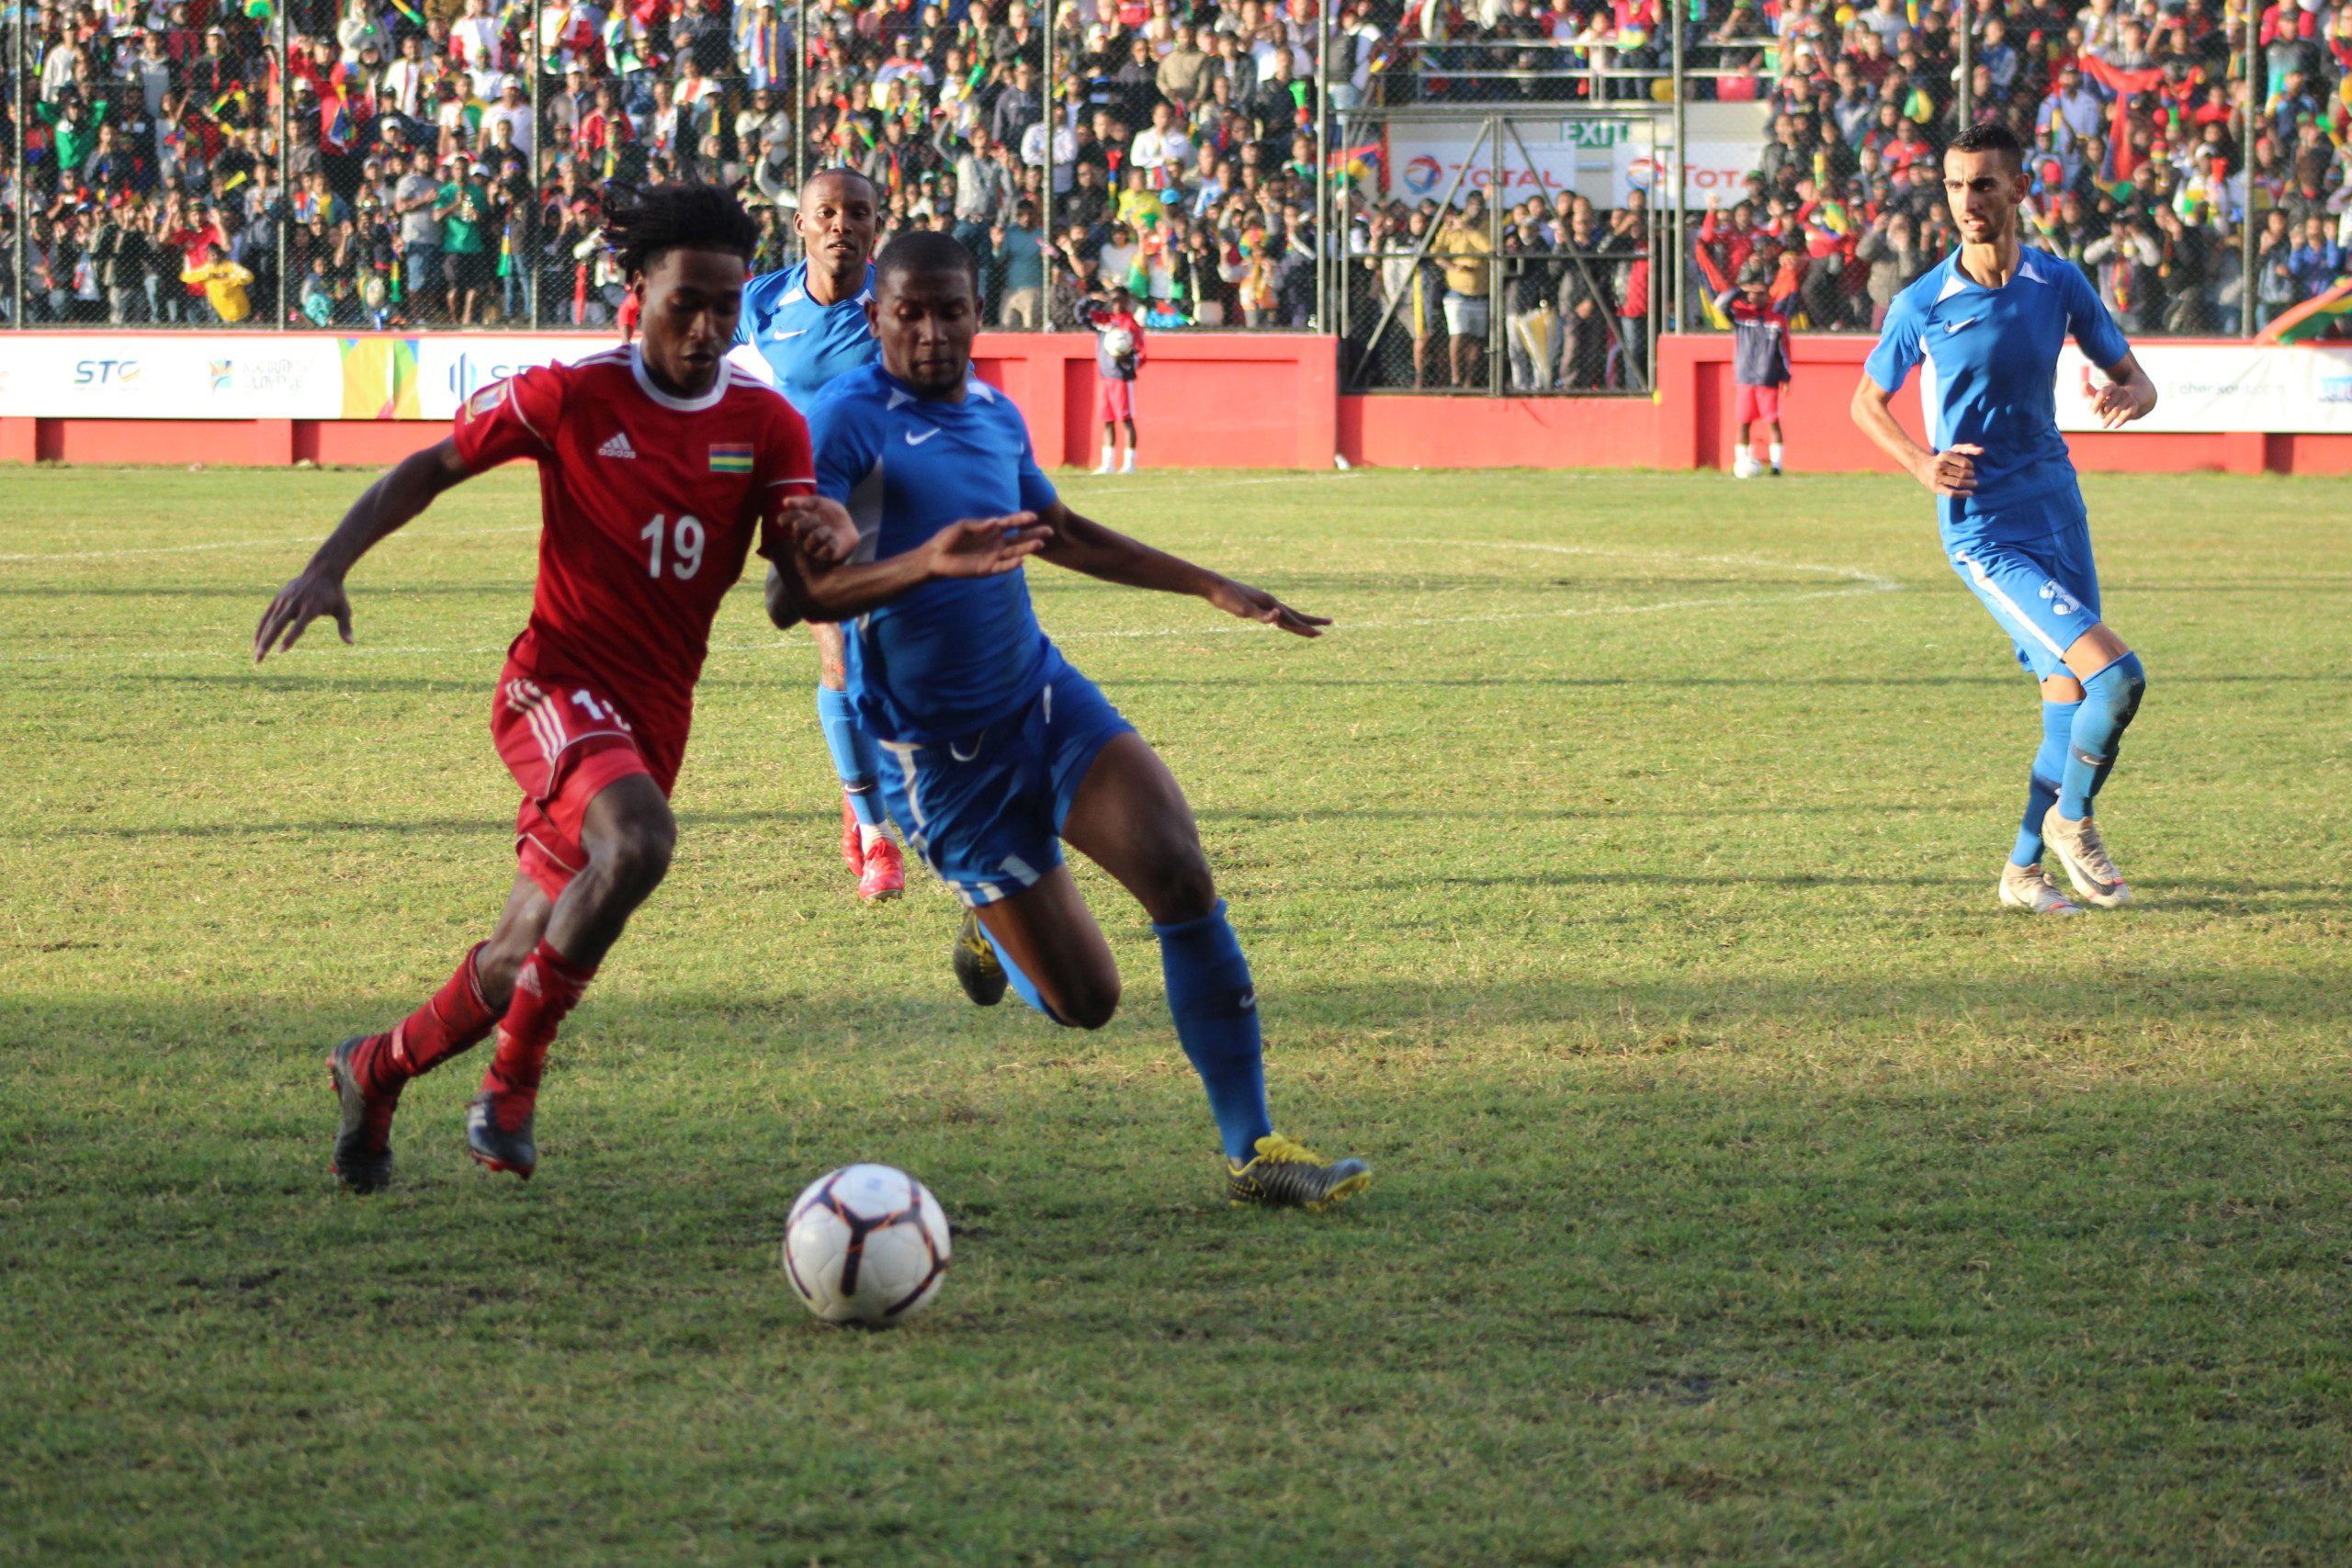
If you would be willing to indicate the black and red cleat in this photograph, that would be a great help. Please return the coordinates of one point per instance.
(502, 1142)
(363, 1145)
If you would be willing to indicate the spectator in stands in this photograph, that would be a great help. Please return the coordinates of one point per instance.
(224, 283)
(1020, 247)
(1891, 249)
(1164, 110)
(1461, 246)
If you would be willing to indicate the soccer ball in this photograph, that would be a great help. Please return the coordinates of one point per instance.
(865, 1244)
(1119, 342)
(1745, 467)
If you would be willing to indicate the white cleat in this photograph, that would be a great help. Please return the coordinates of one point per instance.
(1105, 467)
(2083, 856)
(2029, 888)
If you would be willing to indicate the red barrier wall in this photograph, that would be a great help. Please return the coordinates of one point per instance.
(1272, 401)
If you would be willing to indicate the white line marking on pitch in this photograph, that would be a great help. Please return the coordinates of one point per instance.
(254, 545)
(534, 527)
(1863, 583)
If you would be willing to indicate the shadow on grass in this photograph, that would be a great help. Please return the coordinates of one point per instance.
(1577, 1320)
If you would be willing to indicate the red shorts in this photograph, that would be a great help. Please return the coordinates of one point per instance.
(565, 741)
(1756, 405)
(1113, 400)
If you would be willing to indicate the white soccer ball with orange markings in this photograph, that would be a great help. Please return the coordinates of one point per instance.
(865, 1244)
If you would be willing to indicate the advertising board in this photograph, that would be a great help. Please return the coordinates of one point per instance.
(2300, 388)
(263, 374)
(1601, 157)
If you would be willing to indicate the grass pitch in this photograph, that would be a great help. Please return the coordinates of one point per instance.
(1618, 877)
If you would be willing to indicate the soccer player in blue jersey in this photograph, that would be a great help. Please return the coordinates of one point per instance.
(808, 322)
(1983, 329)
(998, 750)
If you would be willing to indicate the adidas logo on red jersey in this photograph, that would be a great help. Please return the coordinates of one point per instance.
(617, 447)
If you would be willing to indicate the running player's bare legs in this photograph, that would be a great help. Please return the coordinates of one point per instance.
(1131, 818)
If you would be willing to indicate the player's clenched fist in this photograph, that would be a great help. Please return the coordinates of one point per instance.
(820, 525)
(2118, 403)
(1951, 471)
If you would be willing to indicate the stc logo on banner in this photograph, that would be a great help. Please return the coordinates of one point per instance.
(468, 375)
(105, 372)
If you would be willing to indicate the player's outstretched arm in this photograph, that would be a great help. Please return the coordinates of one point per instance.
(808, 583)
(407, 489)
(2128, 395)
(1951, 471)
(1083, 545)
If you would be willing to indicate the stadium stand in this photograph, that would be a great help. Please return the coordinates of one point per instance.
(423, 164)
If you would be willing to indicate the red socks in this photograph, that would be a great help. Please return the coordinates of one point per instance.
(455, 1020)
(548, 988)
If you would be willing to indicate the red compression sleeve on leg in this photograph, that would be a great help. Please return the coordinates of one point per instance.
(547, 988)
(455, 1020)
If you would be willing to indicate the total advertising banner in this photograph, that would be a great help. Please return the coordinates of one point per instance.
(2298, 388)
(1599, 158)
(263, 374)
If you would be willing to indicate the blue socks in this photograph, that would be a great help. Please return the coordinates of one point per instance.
(2048, 773)
(2111, 698)
(855, 757)
(1216, 1019)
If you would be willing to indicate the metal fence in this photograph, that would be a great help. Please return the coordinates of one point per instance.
(183, 163)
(1472, 289)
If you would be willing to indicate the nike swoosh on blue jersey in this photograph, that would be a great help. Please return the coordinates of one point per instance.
(914, 440)
(779, 337)
(1950, 327)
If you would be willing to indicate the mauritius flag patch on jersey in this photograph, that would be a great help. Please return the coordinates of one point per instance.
(731, 456)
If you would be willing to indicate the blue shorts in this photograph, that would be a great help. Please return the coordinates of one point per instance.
(984, 811)
(2043, 592)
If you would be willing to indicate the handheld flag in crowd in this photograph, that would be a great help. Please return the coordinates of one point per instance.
(2313, 317)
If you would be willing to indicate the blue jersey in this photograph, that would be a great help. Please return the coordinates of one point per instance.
(1988, 377)
(952, 657)
(806, 345)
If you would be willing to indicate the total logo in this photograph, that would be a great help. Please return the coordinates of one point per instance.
(105, 372)
(1422, 176)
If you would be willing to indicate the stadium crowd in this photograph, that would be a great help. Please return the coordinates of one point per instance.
(420, 185)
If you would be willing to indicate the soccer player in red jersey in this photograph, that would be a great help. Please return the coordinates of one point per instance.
(657, 468)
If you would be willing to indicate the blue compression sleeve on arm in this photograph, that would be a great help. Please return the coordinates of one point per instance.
(1216, 1019)
(2110, 701)
(2048, 777)
(855, 757)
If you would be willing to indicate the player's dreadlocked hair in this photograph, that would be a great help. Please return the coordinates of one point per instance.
(926, 250)
(642, 223)
(1990, 136)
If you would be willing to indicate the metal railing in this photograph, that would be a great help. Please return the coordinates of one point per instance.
(225, 138)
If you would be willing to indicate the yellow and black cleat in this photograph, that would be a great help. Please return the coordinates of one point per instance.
(1287, 1175)
(976, 969)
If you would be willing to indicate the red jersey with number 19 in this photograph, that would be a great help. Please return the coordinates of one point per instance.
(648, 504)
